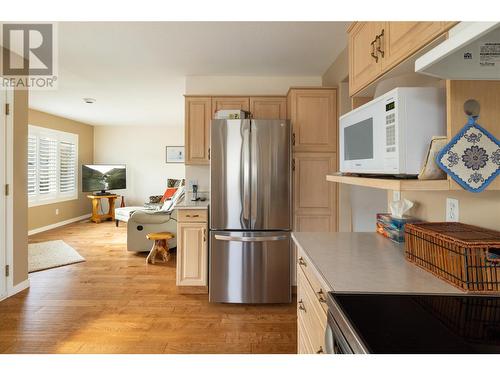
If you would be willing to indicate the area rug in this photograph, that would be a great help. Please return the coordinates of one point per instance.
(51, 254)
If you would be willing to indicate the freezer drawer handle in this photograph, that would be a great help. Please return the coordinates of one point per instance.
(249, 239)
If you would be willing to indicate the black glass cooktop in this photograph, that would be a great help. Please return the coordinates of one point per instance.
(418, 324)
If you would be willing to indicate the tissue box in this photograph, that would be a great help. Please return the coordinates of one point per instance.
(393, 227)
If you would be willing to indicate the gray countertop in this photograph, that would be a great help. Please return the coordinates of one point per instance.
(188, 204)
(366, 262)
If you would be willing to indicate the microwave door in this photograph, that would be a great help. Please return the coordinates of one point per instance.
(363, 141)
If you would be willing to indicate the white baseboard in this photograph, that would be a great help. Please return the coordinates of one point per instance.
(18, 288)
(59, 224)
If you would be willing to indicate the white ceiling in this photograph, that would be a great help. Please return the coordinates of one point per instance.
(136, 70)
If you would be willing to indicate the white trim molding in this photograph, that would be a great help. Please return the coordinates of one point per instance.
(9, 235)
(59, 224)
(12, 290)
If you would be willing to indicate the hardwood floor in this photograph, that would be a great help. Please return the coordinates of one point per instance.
(116, 303)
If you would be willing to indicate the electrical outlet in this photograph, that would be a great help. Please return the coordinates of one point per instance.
(57, 211)
(396, 195)
(452, 210)
(191, 183)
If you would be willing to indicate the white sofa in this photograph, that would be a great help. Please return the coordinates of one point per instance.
(124, 213)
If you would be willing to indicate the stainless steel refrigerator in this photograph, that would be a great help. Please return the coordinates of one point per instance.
(250, 211)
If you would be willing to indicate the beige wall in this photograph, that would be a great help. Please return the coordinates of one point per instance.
(20, 199)
(41, 216)
(482, 209)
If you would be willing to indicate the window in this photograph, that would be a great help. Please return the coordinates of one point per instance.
(52, 166)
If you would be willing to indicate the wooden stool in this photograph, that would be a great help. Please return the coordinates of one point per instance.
(160, 246)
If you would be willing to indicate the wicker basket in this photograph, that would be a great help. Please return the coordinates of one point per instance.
(463, 255)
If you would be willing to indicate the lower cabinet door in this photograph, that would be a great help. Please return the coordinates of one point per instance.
(312, 319)
(192, 254)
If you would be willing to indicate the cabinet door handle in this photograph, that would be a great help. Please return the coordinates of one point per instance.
(192, 215)
(301, 306)
(302, 262)
(321, 296)
(374, 55)
(204, 235)
(379, 43)
(320, 350)
(293, 139)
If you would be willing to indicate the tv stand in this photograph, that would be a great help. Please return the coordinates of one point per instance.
(102, 193)
(97, 217)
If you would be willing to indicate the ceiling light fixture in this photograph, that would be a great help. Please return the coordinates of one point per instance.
(89, 100)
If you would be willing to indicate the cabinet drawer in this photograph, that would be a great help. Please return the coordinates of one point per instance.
(310, 312)
(317, 287)
(194, 216)
(304, 345)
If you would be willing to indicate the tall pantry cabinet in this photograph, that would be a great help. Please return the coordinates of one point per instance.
(313, 114)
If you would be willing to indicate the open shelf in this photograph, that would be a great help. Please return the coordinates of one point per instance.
(391, 183)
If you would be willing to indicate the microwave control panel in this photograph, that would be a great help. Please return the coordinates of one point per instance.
(390, 127)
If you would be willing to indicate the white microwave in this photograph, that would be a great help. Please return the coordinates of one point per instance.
(391, 134)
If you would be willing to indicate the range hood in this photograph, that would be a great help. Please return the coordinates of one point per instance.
(471, 52)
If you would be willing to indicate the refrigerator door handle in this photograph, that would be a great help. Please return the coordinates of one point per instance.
(254, 169)
(245, 161)
(223, 237)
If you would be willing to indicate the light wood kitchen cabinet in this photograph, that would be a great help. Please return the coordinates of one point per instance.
(313, 194)
(311, 307)
(268, 108)
(192, 250)
(402, 39)
(377, 47)
(364, 64)
(230, 102)
(198, 113)
(313, 113)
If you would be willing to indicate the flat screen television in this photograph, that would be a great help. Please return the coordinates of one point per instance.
(103, 177)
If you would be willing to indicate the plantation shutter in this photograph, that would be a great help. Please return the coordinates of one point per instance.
(47, 166)
(67, 167)
(32, 165)
(52, 166)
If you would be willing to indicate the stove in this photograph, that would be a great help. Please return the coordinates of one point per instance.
(412, 323)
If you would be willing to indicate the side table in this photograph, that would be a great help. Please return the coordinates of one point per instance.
(97, 217)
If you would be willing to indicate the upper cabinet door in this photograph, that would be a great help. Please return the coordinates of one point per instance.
(403, 39)
(363, 67)
(313, 114)
(198, 114)
(230, 102)
(268, 108)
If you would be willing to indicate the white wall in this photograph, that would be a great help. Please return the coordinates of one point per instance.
(239, 85)
(142, 149)
(246, 85)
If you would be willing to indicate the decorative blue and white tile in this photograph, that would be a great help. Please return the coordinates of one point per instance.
(472, 157)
